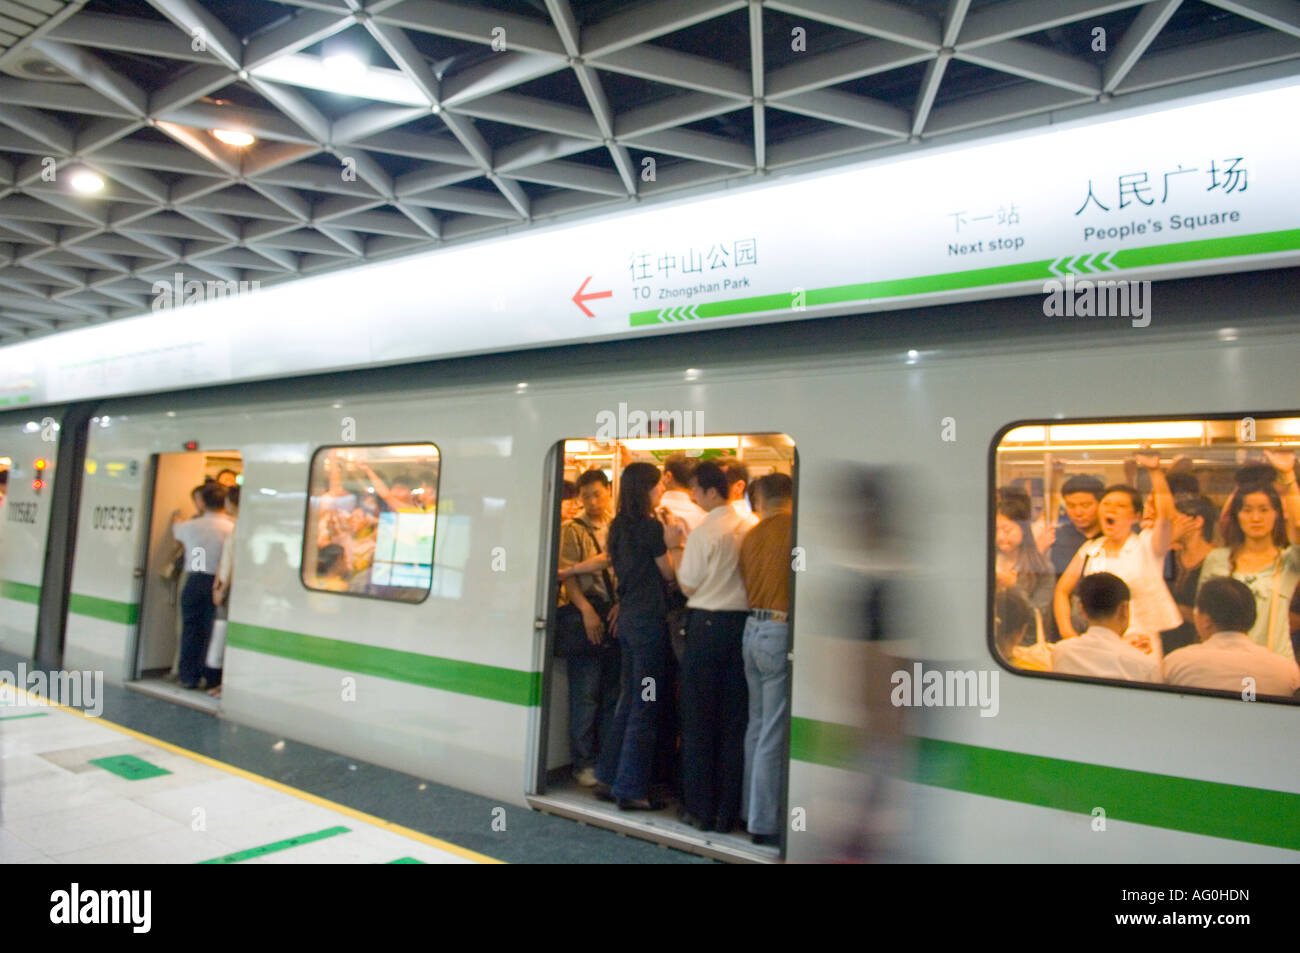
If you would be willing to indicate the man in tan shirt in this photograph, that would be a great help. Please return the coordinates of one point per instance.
(765, 566)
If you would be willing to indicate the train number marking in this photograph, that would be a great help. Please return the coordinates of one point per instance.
(113, 518)
(22, 512)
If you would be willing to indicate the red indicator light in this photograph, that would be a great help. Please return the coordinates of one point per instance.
(191, 445)
(38, 484)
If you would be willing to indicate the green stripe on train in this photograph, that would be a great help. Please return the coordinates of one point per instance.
(509, 685)
(1211, 808)
(20, 592)
(1235, 812)
(123, 613)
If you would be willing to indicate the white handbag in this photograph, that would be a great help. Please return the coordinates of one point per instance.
(217, 644)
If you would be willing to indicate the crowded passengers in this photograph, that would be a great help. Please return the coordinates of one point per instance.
(346, 513)
(702, 552)
(1169, 588)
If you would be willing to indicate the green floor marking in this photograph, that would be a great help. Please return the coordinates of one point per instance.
(35, 714)
(130, 767)
(406, 860)
(278, 845)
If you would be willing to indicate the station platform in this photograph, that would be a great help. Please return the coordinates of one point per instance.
(152, 782)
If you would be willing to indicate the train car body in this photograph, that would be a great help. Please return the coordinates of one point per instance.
(458, 688)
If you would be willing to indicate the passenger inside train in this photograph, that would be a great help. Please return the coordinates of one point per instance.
(195, 497)
(374, 512)
(1162, 516)
(673, 628)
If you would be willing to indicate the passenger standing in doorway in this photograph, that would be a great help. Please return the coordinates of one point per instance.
(202, 539)
(570, 505)
(638, 551)
(677, 492)
(221, 598)
(737, 475)
(714, 698)
(765, 567)
(593, 679)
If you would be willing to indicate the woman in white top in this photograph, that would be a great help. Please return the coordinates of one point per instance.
(1260, 520)
(1137, 559)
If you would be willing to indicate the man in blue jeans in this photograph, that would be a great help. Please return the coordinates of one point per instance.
(765, 566)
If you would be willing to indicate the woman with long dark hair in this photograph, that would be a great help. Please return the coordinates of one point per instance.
(1256, 530)
(639, 553)
(1020, 564)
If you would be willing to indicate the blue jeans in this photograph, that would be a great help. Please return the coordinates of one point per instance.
(627, 752)
(593, 697)
(767, 672)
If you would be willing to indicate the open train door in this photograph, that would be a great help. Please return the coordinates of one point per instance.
(161, 571)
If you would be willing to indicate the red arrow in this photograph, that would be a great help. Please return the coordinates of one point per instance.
(579, 297)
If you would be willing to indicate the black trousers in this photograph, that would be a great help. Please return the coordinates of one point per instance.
(197, 615)
(715, 710)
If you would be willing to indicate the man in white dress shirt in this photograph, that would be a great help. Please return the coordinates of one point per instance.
(202, 539)
(714, 695)
(677, 492)
(737, 483)
(1226, 658)
(1102, 651)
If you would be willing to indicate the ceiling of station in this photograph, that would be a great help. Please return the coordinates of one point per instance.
(386, 127)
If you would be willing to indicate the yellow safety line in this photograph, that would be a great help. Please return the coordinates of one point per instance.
(277, 786)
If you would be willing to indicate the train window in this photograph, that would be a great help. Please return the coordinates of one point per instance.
(371, 515)
(1150, 552)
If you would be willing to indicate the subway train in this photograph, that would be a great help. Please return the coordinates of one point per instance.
(461, 687)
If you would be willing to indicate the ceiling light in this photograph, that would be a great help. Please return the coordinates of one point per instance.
(87, 181)
(1064, 433)
(232, 137)
(335, 75)
(346, 65)
(682, 443)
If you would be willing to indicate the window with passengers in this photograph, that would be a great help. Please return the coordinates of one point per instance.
(1152, 552)
(371, 515)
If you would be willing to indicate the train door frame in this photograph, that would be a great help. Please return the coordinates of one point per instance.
(140, 572)
(544, 623)
(791, 657)
(544, 613)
